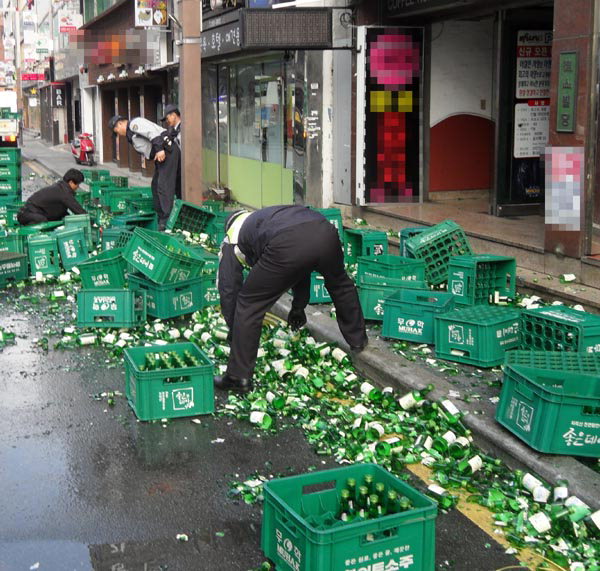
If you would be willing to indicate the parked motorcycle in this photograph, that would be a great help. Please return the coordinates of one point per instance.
(82, 148)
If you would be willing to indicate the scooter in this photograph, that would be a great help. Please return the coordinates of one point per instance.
(82, 148)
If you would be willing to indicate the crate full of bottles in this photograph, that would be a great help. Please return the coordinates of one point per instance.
(168, 381)
(551, 401)
(346, 519)
(477, 335)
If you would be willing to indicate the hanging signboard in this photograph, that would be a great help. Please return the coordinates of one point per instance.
(532, 121)
(567, 92)
(389, 140)
(69, 21)
(534, 64)
(150, 13)
(58, 94)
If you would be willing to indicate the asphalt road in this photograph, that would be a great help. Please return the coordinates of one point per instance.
(86, 486)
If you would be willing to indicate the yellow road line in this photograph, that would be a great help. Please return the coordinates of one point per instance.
(37, 168)
(483, 518)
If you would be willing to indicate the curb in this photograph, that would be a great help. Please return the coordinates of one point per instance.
(388, 369)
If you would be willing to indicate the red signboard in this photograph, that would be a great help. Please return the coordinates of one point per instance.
(33, 77)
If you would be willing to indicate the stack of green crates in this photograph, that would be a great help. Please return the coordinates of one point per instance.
(10, 172)
(374, 290)
(436, 246)
(176, 279)
(551, 401)
(82, 221)
(95, 175)
(111, 308)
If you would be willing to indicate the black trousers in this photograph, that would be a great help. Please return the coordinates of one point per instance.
(164, 185)
(30, 215)
(287, 262)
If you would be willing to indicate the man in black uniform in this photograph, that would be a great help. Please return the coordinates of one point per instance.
(173, 120)
(53, 202)
(282, 245)
(153, 142)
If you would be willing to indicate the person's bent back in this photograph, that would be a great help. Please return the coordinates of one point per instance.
(53, 202)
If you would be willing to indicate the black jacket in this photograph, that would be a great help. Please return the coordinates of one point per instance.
(55, 201)
(256, 232)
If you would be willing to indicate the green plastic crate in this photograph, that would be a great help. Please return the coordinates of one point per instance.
(5, 201)
(12, 210)
(12, 243)
(13, 266)
(115, 199)
(42, 227)
(170, 300)
(478, 335)
(72, 246)
(107, 270)
(190, 217)
(318, 291)
(10, 171)
(436, 245)
(581, 364)
(43, 254)
(553, 411)
(139, 205)
(405, 234)
(10, 156)
(475, 280)
(389, 266)
(408, 314)
(120, 181)
(168, 393)
(82, 221)
(99, 187)
(84, 198)
(364, 242)
(162, 258)
(111, 308)
(373, 290)
(213, 205)
(10, 186)
(210, 292)
(559, 328)
(405, 540)
(334, 216)
(131, 221)
(216, 226)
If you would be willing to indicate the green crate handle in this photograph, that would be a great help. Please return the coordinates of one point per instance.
(427, 298)
(180, 379)
(287, 524)
(524, 390)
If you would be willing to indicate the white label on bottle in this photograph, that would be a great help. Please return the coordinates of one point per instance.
(257, 416)
(575, 501)
(541, 494)
(174, 333)
(87, 339)
(377, 427)
(325, 351)
(302, 372)
(540, 522)
(577, 566)
(121, 343)
(198, 327)
(357, 422)
(280, 343)
(220, 334)
(58, 293)
(427, 459)
(69, 330)
(407, 402)
(205, 337)
(359, 409)
(392, 440)
(188, 333)
(450, 407)
(449, 437)
(387, 391)
(284, 352)
(338, 354)
(159, 327)
(462, 441)
(39, 277)
(437, 490)
(560, 493)
(366, 388)
(310, 341)
(270, 396)
(428, 443)
(260, 353)
(351, 377)
(64, 278)
(530, 482)
(476, 463)
(595, 517)
(109, 338)
(225, 349)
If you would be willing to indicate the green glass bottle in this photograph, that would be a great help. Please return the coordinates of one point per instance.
(369, 483)
(375, 508)
(363, 497)
(413, 398)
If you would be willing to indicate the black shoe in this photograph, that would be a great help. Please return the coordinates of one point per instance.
(355, 351)
(229, 383)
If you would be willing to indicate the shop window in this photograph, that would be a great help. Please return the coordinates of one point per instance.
(244, 119)
(209, 107)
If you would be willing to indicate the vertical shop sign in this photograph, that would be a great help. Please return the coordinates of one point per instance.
(58, 95)
(567, 92)
(534, 64)
(389, 138)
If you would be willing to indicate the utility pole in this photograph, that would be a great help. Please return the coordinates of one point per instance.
(190, 86)
(17, 29)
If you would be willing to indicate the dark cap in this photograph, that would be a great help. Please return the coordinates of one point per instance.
(112, 122)
(170, 108)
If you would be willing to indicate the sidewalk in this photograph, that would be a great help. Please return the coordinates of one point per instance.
(58, 160)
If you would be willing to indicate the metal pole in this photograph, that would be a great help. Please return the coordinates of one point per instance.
(190, 80)
(17, 27)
